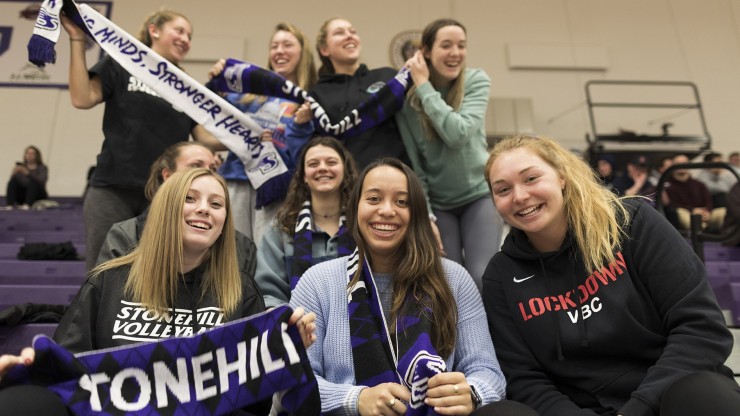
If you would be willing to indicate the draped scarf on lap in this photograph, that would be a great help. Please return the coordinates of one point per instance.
(406, 357)
(243, 77)
(216, 372)
(237, 131)
(303, 243)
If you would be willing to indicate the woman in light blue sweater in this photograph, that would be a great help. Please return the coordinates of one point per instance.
(442, 126)
(399, 328)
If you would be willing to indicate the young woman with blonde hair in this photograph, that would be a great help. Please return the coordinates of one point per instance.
(596, 304)
(186, 260)
(290, 56)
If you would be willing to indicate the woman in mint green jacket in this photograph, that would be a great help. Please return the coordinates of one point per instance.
(442, 126)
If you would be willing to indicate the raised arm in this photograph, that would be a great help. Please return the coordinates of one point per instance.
(85, 91)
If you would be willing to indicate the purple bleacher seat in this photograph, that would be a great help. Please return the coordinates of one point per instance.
(37, 236)
(718, 252)
(735, 290)
(718, 275)
(43, 280)
(734, 271)
(45, 294)
(51, 268)
(41, 221)
(14, 338)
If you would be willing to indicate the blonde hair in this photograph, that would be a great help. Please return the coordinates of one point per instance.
(327, 67)
(158, 19)
(157, 260)
(305, 71)
(455, 94)
(596, 217)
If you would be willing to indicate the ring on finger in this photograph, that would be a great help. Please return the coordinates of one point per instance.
(456, 389)
(392, 402)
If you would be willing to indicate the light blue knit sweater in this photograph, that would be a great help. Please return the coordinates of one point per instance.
(322, 289)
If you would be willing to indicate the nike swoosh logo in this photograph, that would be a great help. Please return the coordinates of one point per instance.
(523, 279)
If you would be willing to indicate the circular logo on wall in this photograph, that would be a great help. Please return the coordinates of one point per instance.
(403, 47)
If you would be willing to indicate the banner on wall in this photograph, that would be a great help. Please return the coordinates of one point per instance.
(17, 18)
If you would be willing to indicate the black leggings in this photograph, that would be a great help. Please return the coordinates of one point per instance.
(702, 393)
(505, 408)
(31, 400)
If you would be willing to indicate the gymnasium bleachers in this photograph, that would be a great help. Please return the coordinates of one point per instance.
(56, 282)
(53, 282)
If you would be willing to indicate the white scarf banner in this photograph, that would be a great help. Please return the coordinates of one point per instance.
(236, 130)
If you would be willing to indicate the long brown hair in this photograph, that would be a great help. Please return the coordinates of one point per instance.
(419, 273)
(596, 217)
(157, 260)
(455, 94)
(298, 190)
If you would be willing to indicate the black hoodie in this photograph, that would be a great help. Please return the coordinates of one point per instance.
(101, 316)
(578, 342)
(339, 94)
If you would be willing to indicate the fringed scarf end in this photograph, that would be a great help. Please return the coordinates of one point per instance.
(41, 51)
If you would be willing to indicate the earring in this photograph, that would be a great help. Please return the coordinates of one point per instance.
(155, 36)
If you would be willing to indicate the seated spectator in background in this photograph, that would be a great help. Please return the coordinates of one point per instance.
(27, 182)
(734, 160)
(123, 236)
(732, 219)
(605, 169)
(311, 221)
(718, 180)
(689, 196)
(634, 181)
(664, 163)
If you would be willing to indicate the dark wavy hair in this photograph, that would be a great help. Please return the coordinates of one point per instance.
(298, 190)
(419, 274)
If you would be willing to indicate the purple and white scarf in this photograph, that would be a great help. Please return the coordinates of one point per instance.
(243, 77)
(236, 130)
(406, 357)
(213, 373)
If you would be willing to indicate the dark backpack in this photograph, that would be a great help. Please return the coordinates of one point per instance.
(48, 251)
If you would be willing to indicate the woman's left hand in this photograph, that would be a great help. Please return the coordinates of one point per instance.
(306, 325)
(9, 361)
(449, 394)
(418, 68)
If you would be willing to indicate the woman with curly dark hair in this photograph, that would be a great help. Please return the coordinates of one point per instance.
(310, 226)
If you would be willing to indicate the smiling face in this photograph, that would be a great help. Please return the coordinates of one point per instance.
(528, 193)
(204, 214)
(285, 54)
(447, 54)
(383, 214)
(342, 43)
(324, 170)
(172, 40)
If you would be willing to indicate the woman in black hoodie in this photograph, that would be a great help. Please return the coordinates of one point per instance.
(595, 304)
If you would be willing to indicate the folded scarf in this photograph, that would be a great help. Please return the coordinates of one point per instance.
(303, 243)
(237, 131)
(216, 372)
(406, 357)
